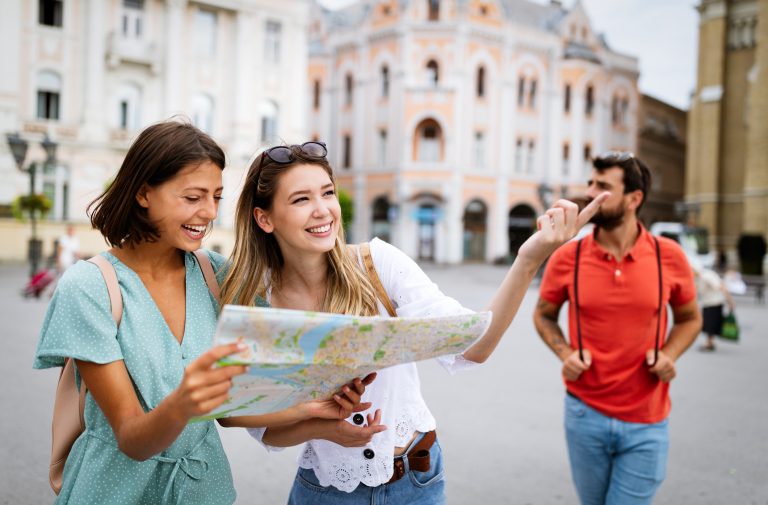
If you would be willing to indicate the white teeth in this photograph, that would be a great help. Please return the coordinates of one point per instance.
(196, 229)
(321, 229)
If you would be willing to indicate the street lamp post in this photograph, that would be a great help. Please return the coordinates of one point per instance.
(19, 148)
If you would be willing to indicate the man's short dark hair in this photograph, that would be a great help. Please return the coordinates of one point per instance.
(636, 173)
(156, 156)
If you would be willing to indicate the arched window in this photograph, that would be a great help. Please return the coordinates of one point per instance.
(433, 73)
(269, 112)
(202, 112)
(384, 81)
(349, 89)
(567, 99)
(429, 141)
(48, 95)
(481, 82)
(129, 106)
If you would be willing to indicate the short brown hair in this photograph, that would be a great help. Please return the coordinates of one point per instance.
(637, 175)
(156, 156)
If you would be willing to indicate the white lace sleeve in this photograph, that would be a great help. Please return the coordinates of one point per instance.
(415, 295)
(258, 434)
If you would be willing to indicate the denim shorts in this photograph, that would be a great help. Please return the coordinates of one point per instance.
(414, 488)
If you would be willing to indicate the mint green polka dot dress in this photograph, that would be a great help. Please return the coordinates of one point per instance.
(79, 324)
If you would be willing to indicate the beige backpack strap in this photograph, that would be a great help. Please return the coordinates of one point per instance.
(69, 423)
(113, 288)
(365, 252)
(210, 277)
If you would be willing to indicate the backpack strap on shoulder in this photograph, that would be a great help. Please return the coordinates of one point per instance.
(113, 288)
(210, 277)
(381, 293)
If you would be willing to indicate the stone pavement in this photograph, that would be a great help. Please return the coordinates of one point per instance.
(500, 425)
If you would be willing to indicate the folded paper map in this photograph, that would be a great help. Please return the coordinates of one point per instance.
(296, 356)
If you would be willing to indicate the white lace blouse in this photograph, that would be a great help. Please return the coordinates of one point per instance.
(396, 390)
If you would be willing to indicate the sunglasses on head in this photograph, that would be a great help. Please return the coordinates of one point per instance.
(284, 154)
(615, 156)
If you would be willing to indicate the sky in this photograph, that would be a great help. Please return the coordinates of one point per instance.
(661, 33)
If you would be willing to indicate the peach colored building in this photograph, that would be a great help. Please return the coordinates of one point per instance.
(454, 122)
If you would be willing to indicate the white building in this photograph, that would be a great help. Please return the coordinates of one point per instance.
(92, 73)
(454, 122)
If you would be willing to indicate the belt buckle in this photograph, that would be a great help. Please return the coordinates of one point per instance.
(398, 471)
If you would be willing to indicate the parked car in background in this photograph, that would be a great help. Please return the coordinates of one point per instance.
(693, 239)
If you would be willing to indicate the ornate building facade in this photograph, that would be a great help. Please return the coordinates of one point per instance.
(661, 145)
(454, 123)
(92, 73)
(727, 161)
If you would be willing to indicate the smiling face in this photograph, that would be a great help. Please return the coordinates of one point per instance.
(183, 207)
(305, 214)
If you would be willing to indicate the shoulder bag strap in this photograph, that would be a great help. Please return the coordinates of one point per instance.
(210, 277)
(381, 293)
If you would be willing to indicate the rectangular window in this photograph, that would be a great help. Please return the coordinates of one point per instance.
(566, 157)
(316, 95)
(205, 23)
(382, 148)
(589, 102)
(519, 156)
(272, 36)
(587, 158)
(47, 105)
(567, 99)
(50, 12)
(123, 114)
(133, 12)
(348, 89)
(532, 95)
(479, 149)
(347, 153)
(521, 92)
(531, 156)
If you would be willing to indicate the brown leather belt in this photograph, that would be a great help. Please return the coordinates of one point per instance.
(418, 457)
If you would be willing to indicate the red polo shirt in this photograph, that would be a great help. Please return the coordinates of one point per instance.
(619, 309)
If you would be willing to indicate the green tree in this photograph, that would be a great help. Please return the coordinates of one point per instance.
(347, 210)
(37, 203)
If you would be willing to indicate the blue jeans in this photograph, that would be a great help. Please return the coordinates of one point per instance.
(614, 462)
(413, 488)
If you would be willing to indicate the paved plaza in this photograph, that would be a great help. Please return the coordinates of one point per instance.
(500, 425)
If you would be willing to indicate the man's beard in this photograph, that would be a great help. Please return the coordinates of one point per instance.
(608, 220)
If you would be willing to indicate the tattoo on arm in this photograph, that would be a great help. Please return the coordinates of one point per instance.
(545, 320)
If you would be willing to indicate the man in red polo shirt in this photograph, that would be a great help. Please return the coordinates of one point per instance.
(619, 359)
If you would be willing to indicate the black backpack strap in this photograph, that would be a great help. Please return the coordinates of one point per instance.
(576, 299)
(661, 307)
(657, 343)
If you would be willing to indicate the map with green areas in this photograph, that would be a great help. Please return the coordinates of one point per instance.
(296, 356)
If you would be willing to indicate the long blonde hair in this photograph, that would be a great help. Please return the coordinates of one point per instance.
(257, 262)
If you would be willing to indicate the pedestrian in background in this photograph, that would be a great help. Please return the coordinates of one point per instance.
(150, 376)
(67, 250)
(290, 250)
(619, 359)
(713, 295)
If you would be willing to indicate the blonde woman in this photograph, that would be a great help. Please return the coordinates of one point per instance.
(290, 250)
